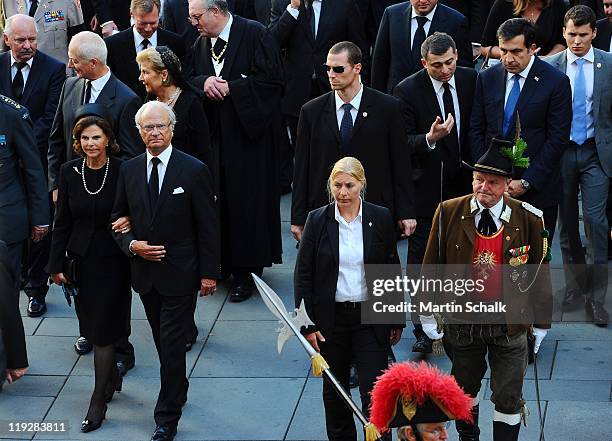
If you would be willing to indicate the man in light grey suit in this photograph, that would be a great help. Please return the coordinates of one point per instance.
(586, 164)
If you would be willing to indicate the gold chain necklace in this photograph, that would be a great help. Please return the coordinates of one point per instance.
(216, 57)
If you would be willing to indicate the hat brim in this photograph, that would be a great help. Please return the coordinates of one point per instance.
(489, 170)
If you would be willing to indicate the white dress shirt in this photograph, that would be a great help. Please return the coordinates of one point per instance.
(316, 8)
(224, 35)
(98, 85)
(25, 70)
(138, 39)
(589, 76)
(439, 90)
(496, 212)
(522, 78)
(351, 285)
(164, 157)
(355, 102)
(414, 24)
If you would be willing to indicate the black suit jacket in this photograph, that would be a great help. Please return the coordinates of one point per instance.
(420, 107)
(123, 105)
(13, 344)
(115, 10)
(604, 32)
(545, 110)
(392, 59)
(476, 11)
(184, 222)
(378, 140)
(122, 56)
(174, 19)
(339, 20)
(317, 265)
(40, 94)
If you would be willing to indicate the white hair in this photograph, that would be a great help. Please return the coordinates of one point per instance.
(89, 46)
(155, 104)
(8, 27)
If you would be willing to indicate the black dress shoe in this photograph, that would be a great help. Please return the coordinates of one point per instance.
(241, 291)
(88, 425)
(599, 313)
(36, 307)
(123, 366)
(423, 345)
(571, 301)
(164, 433)
(82, 346)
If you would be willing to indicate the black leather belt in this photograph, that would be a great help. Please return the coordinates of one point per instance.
(348, 305)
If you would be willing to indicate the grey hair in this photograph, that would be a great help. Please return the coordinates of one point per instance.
(89, 46)
(155, 104)
(8, 27)
(220, 4)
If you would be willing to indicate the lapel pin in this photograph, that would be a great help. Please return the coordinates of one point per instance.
(365, 114)
(598, 65)
(370, 224)
(536, 78)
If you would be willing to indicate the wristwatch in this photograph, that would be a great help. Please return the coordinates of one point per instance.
(526, 185)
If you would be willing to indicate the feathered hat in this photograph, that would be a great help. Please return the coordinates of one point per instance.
(410, 393)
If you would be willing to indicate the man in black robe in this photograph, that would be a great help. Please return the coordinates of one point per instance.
(237, 65)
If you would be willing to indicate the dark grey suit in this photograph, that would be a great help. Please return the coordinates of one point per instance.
(23, 196)
(123, 104)
(588, 167)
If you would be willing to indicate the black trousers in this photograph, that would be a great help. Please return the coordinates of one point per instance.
(169, 318)
(36, 257)
(15, 253)
(350, 340)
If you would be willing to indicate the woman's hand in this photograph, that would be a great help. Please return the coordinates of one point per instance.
(122, 225)
(59, 278)
(13, 375)
(395, 336)
(313, 338)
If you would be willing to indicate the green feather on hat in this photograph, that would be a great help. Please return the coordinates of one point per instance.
(515, 153)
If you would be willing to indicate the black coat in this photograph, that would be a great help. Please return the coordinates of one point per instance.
(184, 222)
(378, 140)
(174, 19)
(392, 59)
(247, 130)
(317, 264)
(420, 108)
(115, 10)
(476, 11)
(122, 56)
(123, 105)
(40, 94)
(340, 20)
(604, 32)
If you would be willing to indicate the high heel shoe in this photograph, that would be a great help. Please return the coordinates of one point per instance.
(90, 425)
(114, 384)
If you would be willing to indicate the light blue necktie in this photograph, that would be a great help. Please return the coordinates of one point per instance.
(513, 97)
(579, 120)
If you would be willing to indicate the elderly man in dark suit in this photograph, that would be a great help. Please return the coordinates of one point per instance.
(352, 120)
(94, 83)
(523, 86)
(586, 165)
(24, 211)
(124, 46)
(34, 80)
(174, 246)
(13, 354)
(437, 103)
(306, 31)
(603, 38)
(404, 27)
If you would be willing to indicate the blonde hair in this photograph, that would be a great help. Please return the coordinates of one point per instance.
(352, 167)
(153, 57)
(521, 5)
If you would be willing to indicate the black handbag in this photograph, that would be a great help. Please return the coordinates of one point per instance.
(70, 269)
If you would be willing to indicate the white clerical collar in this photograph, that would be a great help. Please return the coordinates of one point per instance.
(429, 16)
(589, 56)
(355, 102)
(164, 156)
(437, 85)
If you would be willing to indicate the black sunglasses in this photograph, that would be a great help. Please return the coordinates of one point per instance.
(336, 69)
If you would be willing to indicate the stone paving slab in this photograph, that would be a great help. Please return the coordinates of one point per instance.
(50, 355)
(21, 409)
(565, 390)
(58, 327)
(36, 386)
(578, 421)
(586, 360)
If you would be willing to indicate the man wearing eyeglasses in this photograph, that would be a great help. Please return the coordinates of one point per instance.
(237, 64)
(173, 245)
(352, 120)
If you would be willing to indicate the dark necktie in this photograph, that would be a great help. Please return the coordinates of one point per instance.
(310, 16)
(417, 41)
(346, 126)
(18, 81)
(145, 44)
(219, 50)
(154, 182)
(87, 96)
(33, 8)
(486, 225)
(451, 140)
(511, 102)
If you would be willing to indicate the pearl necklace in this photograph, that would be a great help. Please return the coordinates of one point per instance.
(173, 98)
(103, 180)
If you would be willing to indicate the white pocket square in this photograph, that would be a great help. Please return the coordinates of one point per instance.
(243, 75)
(178, 190)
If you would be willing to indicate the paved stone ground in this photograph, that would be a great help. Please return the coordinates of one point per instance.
(241, 389)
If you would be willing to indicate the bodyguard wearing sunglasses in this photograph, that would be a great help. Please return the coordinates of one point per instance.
(352, 120)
